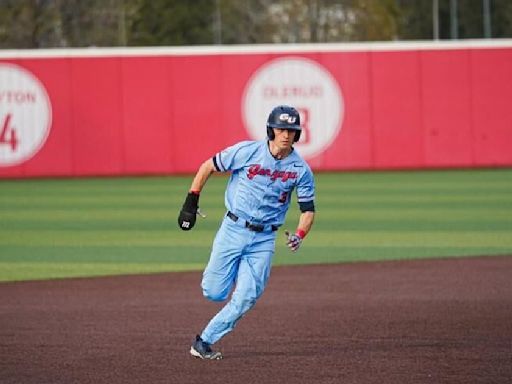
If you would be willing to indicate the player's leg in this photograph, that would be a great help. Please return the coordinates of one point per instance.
(220, 274)
(219, 277)
(252, 277)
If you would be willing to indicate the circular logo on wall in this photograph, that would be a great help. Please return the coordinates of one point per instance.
(25, 115)
(300, 83)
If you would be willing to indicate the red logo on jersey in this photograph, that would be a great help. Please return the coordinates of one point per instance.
(274, 175)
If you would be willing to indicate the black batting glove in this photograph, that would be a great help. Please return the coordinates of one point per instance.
(187, 217)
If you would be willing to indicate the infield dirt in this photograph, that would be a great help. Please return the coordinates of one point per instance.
(422, 321)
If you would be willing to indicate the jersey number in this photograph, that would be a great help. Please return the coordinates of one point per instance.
(283, 197)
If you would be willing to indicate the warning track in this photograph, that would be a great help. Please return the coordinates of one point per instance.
(422, 321)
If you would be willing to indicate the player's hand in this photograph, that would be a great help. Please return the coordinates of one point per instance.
(187, 217)
(293, 241)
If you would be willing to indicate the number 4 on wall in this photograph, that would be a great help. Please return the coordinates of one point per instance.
(8, 133)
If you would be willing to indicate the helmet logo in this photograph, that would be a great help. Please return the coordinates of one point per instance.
(286, 117)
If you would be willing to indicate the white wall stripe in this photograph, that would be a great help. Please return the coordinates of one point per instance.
(255, 49)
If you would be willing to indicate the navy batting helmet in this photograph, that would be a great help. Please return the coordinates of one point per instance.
(283, 117)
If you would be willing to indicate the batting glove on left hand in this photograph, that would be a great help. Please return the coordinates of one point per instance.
(187, 217)
(293, 241)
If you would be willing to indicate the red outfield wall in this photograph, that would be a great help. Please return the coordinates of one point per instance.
(150, 112)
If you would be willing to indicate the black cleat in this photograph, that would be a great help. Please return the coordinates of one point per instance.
(202, 350)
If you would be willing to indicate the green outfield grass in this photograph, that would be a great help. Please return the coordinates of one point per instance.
(105, 226)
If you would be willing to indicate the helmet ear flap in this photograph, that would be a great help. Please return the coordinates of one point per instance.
(297, 135)
(270, 133)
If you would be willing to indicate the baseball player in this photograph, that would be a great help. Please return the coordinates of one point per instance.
(263, 175)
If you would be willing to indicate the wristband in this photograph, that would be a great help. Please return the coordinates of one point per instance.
(301, 233)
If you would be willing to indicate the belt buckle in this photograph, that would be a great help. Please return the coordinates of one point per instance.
(254, 227)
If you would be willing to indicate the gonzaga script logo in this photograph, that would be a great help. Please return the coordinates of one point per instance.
(274, 175)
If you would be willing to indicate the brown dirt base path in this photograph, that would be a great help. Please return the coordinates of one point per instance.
(426, 321)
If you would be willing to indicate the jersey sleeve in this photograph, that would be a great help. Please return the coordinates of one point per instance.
(234, 157)
(306, 187)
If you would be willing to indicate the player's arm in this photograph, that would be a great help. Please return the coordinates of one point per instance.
(202, 175)
(306, 200)
(227, 160)
(187, 216)
(306, 219)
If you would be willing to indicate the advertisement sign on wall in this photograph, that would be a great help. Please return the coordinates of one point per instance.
(25, 115)
(307, 86)
(86, 112)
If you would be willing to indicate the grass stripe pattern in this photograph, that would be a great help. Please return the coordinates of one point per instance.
(58, 228)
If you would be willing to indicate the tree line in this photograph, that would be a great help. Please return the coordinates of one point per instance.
(111, 23)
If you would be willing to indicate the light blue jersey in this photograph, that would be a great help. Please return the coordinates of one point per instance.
(260, 186)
